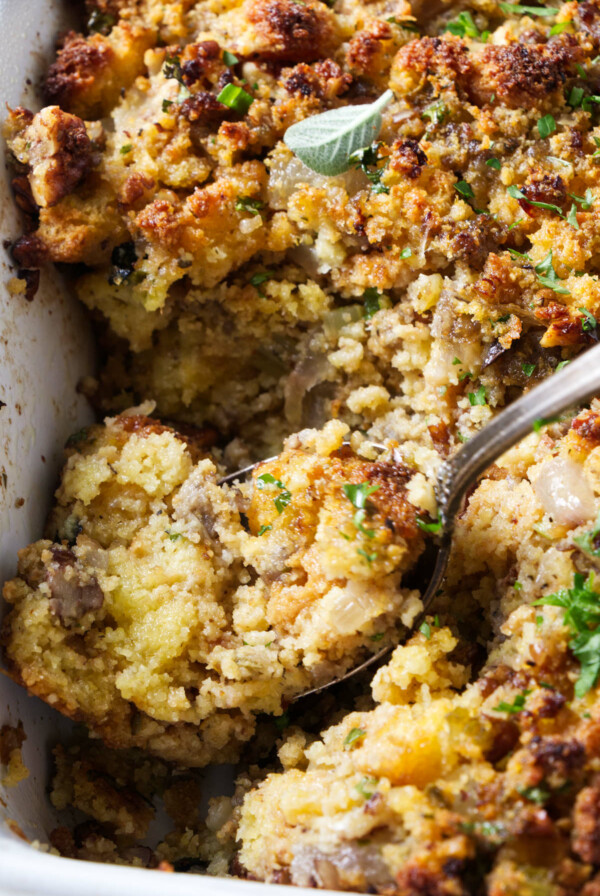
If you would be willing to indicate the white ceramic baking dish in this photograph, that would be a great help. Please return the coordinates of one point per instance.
(45, 348)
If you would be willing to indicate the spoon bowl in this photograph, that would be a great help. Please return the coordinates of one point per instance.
(574, 385)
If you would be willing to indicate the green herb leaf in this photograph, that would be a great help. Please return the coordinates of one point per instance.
(425, 630)
(173, 536)
(433, 528)
(258, 279)
(367, 786)
(368, 160)
(575, 97)
(546, 125)
(589, 321)
(378, 636)
(353, 735)
(465, 189)
(235, 98)
(528, 369)
(406, 253)
(326, 142)
(543, 421)
(230, 59)
(478, 397)
(582, 616)
(572, 217)
(247, 204)
(264, 529)
(464, 26)
(127, 147)
(359, 494)
(494, 163)
(539, 795)
(518, 10)
(100, 22)
(369, 557)
(436, 112)
(560, 366)
(283, 499)
(589, 541)
(586, 201)
(559, 28)
(371, 297)
(516, 193)
(515, 707)
(548, 277)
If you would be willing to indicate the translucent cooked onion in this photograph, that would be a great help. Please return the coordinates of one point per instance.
(312, 866)
(564, 492)
(308, 372)
(288, 172)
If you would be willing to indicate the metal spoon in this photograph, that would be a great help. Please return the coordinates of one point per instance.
(573, 385)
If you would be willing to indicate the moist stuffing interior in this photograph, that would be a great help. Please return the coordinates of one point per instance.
(351, 332)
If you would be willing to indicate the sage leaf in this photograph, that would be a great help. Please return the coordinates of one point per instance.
(325, 142)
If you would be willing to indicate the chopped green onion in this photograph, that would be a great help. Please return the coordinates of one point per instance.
(236, 98)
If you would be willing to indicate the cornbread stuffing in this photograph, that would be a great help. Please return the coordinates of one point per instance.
(355, 329)
(152, 613)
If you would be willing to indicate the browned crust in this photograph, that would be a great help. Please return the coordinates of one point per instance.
(521, 76)
(78, 64)
(291, 31)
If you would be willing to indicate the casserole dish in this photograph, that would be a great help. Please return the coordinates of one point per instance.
(46, 349)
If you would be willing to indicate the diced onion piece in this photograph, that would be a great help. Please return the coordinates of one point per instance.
(564, 492)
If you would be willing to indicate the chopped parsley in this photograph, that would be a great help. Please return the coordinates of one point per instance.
(100, 22)
(235, 98)
(515, 707)
(230, 59)
(406, 253)
(127, 147)
(173, 536)
(559, 28)
(358, 496)
(283, 498)
(518, 194)
(433, 528)
(378, 636)
(589, 541)
(247, 204)
(589, 322)
(528, 369)
(353, 735)
(367, 160)
(560, 366)
(366, 786)
(582, 616)
(371, 297)
(425, 630)
(258, 279)
(494, 163)
(465, 189)
(436, 112)
(264, 529)
(546, 125)
(464, 26)
(548, 277)
(478, 397)
(539, 795)
(369, 557)
(544, 421)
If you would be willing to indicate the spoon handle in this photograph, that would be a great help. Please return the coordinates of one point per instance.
(575, 384)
